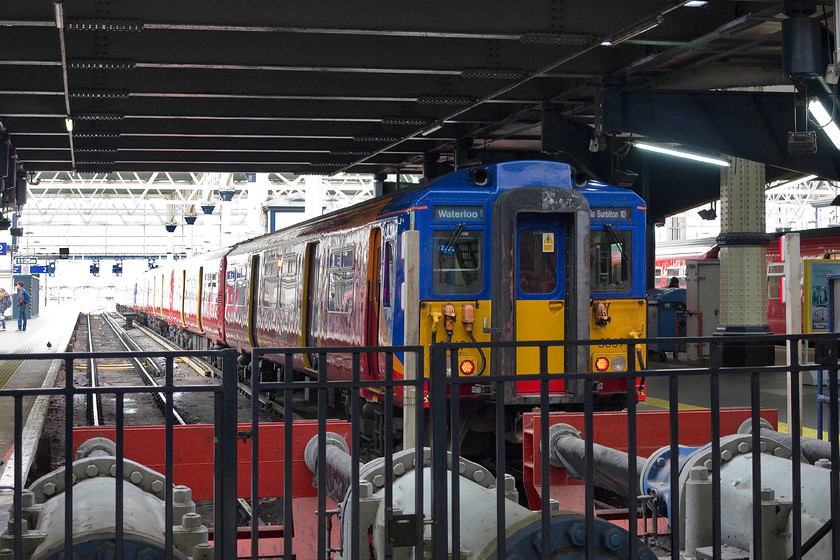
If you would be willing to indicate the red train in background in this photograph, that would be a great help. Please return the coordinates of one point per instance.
(671, 257)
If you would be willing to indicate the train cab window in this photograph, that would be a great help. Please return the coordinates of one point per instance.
(271, 274)
(288, 281)
(388, 276)
(457, 266)
(775, 273)
(341, 281)
(537, 268)
(611, 266)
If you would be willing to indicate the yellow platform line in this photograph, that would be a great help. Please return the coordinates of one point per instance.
(782, 426)
(9, 367)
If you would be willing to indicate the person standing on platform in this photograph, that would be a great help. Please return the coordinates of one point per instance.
(5, 303)
(22, 305)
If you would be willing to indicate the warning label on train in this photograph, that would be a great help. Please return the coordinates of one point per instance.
(462, 213)
(615, 214)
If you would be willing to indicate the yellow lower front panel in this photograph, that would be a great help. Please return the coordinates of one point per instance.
(539, 320)
(432, 329)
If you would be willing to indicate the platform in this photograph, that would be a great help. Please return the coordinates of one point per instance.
(54, 325)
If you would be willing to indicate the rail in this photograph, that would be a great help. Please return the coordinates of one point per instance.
(418, 522)
(143, 367)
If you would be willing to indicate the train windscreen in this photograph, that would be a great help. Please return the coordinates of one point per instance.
(458, 261)
(611, 267)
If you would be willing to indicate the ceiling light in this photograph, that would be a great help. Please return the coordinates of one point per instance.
(434, 127)
(681, 154)
(643, 27)
(68, 123)
(696, 3)
(824, 120)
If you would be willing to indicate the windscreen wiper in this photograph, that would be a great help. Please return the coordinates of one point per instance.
(459, 229)
(615, 239)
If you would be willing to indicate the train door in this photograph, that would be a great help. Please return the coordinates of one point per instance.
(374, 291)
(253, 290)
(182, 292)
(540, 293)
(310, 295)
(540, 243)
(200, 299)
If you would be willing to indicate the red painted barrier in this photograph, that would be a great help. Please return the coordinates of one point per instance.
(193, 455)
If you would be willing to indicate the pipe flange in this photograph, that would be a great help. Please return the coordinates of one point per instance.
(99, 446)
(310, 453)
(555, 432)
(746, 426)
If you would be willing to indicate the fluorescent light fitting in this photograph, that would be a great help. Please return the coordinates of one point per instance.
(824, 120)
(696, 3)
(68, 123)
(643, 27)
(681, 154)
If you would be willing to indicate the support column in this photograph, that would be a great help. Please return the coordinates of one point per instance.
(743, 275)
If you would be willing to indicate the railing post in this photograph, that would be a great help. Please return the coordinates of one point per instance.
(225, 460)
(437, 406)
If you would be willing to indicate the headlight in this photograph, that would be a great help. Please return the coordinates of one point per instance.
(619, 363)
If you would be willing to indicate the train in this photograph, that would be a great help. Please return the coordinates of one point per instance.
(514, 251)
(822, 243)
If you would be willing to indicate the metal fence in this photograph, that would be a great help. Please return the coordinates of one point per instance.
(386, 514)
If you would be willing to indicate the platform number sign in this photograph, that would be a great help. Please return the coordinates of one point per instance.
(3, 248)
(548, 242)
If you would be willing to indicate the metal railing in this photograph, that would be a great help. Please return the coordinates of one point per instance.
(433, 527)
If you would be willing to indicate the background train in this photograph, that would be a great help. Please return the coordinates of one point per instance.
(507, 252)
(822, 243)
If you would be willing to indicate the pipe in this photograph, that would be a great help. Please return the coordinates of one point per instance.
(812, 449)
(339, 465)
(611, 466)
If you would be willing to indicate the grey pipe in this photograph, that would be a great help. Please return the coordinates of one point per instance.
(812, 449)
(611, 467)
(339, 465)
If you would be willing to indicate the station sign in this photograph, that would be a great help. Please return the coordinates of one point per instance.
(26, 260)
(3, 248)
(36, 269)
(16, 269)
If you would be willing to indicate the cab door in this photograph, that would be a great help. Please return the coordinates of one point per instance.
(539, 289)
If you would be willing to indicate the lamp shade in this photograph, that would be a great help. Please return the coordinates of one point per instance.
(190, 219)
(207, 208)
(171, 227)
(226, 194)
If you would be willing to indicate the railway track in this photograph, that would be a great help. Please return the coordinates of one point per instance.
(105, 335)
(206, 368)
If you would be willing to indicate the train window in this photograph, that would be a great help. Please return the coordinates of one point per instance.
(457, 266)
(288, 281)
(537, 269)
(341, 281)
(270, 277)
(611, 265)
(388, 276)
(775, 272)
(657, 276)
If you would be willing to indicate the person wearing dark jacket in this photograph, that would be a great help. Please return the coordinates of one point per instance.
(22, 306)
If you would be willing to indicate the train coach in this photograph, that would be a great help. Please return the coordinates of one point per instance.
(507, 252)
(823, 243)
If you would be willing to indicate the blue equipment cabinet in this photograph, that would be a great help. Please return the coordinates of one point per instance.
(666, 319)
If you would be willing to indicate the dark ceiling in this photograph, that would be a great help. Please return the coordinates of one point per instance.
(320, 87)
